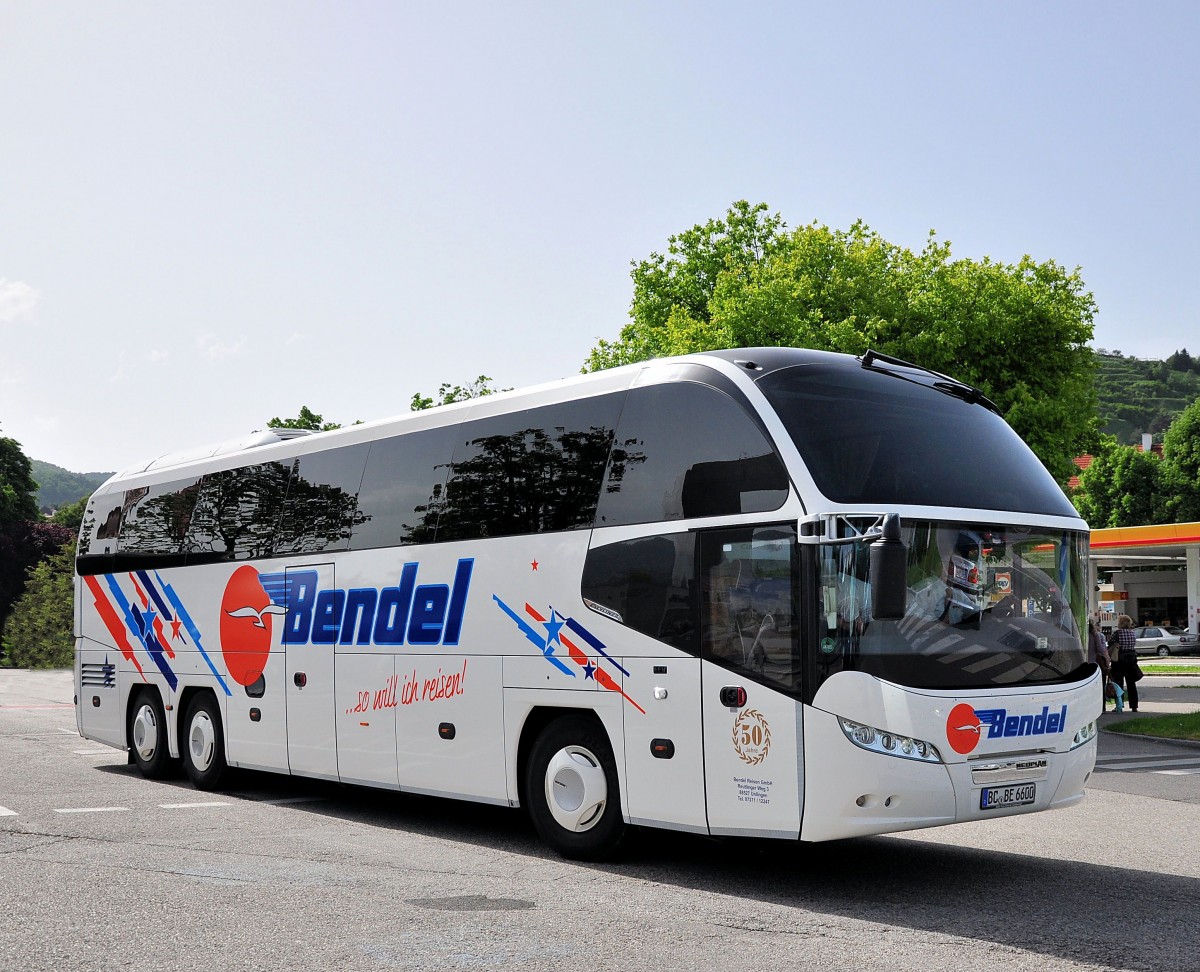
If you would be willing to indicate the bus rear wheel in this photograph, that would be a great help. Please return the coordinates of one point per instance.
(572, 789)
(147, 736)
(203, 743)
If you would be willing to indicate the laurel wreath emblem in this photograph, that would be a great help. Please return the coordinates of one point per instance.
(751, 736)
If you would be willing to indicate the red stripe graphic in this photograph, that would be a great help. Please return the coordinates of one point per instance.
(115, 626)
(600, 675)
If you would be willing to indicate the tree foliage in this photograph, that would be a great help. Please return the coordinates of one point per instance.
(448, 393)
(39, 631)
(70, 515)
(17, 487)
(1181, 466)
(1137, 395)
(1018, 331)
(22, 545)
(307, 419)
(1122, 487)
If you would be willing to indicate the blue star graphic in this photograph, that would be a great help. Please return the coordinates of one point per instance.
(553, 627)
(148, 622)
(589, 670)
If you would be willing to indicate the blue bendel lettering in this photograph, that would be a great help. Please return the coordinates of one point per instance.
(1003, 726)
(408, 613)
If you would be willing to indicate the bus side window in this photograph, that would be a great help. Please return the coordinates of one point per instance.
(154, 521)
(321, 506)
(98, 534)
(403, 488)
(748, 583)
(685, 450)
(649, 585)
(532, 472)
(237, 513)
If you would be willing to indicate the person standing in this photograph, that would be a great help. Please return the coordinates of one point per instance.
(1125, 668)
(1098, 655)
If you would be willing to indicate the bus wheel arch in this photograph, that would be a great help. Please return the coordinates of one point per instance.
(570, 783)
(202, 740)
(146, 734)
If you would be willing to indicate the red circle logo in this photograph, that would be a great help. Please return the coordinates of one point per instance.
(962, 729)
(245, 626)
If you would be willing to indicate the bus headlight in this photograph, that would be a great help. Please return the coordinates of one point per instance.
(1085, 735)
(889, 743)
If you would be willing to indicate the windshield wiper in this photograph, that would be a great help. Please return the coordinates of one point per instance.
(944, 383)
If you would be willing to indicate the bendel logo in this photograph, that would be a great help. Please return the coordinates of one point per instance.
(246, 612)
(404, 613)
(965, 725)
(962, 729)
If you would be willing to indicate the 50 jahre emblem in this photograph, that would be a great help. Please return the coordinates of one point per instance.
(751, 736)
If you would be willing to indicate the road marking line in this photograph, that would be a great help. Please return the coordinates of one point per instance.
(1177, 772)
(93, 752)
(69, 732)
(5, 812)
(282, 801)
(182, 806)
(92, 810)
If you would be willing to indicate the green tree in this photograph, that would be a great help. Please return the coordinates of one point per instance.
(1122, 487)
(307, 419)
(18, 491)
(1018, 332)
(1181, 466)
(672, 293)
(70, 515)
(448, 393)
(39, 632)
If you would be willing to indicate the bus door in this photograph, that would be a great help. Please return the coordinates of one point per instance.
(308, 643)
(750, 680)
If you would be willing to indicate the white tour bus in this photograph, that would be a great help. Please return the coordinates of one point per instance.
(765, 592)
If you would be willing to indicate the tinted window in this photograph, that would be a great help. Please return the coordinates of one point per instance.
(321, 506)
(402, 489)
(649, 585)
(685, 450)
(748, 588)
(237, 512)
(529, 472)
(98, 533)
(155, 519)
(869, 437)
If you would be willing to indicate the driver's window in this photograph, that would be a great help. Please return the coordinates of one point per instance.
(748, 603)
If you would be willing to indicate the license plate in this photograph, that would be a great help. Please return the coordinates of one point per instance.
(998, 797)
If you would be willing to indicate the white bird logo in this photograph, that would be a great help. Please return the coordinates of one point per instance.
(249, 612)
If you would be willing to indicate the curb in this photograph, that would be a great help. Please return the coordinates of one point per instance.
(1186, 743)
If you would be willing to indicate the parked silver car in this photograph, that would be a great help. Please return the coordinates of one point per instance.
(1164, 641)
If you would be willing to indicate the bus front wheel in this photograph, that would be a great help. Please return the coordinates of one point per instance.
(572, 789)
(147, 735)
(203, 743)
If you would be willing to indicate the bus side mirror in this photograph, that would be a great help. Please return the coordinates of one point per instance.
(889, 570)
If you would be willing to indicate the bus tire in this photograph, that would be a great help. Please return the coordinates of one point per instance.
(572, 789)
(203, 743)
(147, 735)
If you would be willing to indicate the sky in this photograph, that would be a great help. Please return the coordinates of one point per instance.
(213, 214)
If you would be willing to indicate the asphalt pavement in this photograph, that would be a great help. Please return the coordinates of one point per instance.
(102, 869)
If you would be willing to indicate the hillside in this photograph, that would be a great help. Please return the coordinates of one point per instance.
(1139, 395)
(58, 486)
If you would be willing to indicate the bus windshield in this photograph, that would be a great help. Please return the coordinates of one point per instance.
(987, 606)
(870, 437)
